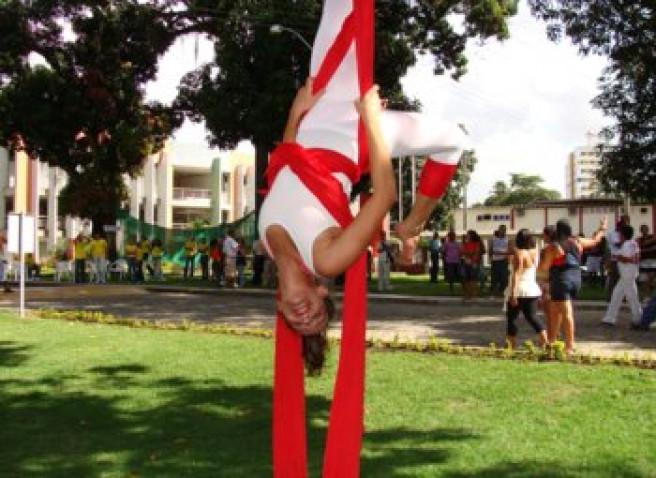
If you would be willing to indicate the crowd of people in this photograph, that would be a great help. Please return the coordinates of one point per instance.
(550, 278)
(88, 259)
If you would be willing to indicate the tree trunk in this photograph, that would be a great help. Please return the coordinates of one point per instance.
(261, 164)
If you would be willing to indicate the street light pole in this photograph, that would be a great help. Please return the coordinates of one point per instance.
(465, 179)
(276, 29)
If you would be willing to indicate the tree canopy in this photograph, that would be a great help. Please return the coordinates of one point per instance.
(82, 106)
(625, 32)
(521, 189)
(84, 109)
(245, 92)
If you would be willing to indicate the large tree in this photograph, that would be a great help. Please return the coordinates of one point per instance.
(245, 92)
(625, 32)
(83, 109)
(522, 189)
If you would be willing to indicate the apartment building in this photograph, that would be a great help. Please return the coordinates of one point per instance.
(581, 170)
(179, 186)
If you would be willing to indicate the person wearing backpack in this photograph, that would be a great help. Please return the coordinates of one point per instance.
(562, 260)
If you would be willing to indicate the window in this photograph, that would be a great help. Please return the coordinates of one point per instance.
(225, 182)
(644, 210)
(224, 217)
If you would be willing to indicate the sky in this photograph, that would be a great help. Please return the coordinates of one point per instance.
(525, 101)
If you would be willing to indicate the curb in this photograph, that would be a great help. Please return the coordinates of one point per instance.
(373, 297)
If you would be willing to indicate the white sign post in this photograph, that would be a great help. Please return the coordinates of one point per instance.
(20, 240)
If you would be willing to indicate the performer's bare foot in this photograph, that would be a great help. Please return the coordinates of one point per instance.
(409, 229)
(409, 235)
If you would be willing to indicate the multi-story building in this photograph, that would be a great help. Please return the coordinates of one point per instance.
(583, 214)
(583, 164)
(179, 186)
(183, 184)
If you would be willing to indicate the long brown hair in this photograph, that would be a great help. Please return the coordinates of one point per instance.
(315, 346)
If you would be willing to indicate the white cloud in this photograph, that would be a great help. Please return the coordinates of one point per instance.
(526, 103)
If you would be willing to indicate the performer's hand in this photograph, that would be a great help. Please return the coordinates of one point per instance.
(370, 105)
(305, 99)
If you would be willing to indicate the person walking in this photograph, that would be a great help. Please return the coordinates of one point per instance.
(435, 248)
(204, 253)
(385, 261)
(614, 242)
(156, 254)
(81, 256)
(451, 252)
(190, 257)
(472, 254)
(523, 292)
(628, 258)
(562, 260)
(230, 247)
(498, 256)
(131, 256)
(216, 255)
(146, 248)
(99, 257)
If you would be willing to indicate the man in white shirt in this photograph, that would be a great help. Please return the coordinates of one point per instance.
(614, 241)
(628, 258)
(230, 247)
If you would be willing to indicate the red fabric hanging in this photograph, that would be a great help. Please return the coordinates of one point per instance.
(314, 168)
(342, 458)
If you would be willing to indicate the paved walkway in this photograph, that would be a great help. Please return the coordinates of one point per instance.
(470, 324)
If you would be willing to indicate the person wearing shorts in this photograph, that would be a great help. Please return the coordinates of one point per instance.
(562, 258)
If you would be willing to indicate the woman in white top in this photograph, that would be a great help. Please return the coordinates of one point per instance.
(523, 291)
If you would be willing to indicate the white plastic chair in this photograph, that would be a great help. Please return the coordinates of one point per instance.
(63, 268)
(118, 267)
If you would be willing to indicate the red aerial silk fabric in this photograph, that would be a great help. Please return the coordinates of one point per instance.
(314, 168)
(342, 458)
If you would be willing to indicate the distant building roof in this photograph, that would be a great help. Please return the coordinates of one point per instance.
(583, 202)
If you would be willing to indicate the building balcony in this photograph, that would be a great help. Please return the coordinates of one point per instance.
(192, 197)
(191, 193)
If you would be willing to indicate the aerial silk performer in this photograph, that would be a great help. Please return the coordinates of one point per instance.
(336, 131)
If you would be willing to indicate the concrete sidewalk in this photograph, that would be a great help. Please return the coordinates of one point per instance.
(491, 302)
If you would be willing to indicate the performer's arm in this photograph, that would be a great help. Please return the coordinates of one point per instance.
(303, 103)
(335, 250)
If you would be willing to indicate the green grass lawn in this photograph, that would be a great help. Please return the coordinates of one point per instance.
(80, 400)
